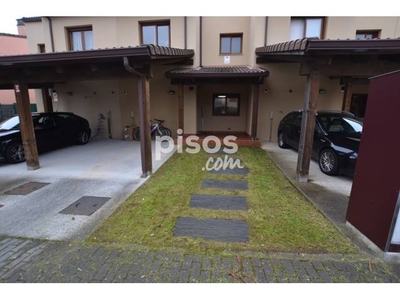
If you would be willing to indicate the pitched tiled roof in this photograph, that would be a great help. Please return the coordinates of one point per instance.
(144, 51)
(310, 45)
(29, 19)
(219, 71)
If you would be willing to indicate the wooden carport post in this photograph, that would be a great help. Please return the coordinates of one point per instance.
(347, 97)
(254, 118)
(47, 100)
(308, 125)
(26, 125)
(145, 136)
(181, 120)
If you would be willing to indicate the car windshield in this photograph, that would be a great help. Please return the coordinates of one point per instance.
(10, 124)
(13, 123)
(341, 123)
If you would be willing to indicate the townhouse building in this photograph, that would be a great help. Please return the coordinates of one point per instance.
(225, 73)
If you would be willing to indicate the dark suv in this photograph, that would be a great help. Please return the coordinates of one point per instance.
(336, 139)
(52, 130)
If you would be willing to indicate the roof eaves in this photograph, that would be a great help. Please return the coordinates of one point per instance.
(12, 35)
(30, 19)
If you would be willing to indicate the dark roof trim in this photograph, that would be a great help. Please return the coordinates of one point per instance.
(13, 35)
(313, 45)
(29, 19)
(145, 51)
(217, 72)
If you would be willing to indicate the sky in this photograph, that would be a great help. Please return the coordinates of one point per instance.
(28, 8)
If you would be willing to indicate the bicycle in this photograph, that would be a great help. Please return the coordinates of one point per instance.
(157, 129)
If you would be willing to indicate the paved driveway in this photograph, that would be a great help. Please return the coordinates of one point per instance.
(286, 159)
(102, 168)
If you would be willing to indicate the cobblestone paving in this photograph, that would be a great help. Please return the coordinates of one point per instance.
(23, 260)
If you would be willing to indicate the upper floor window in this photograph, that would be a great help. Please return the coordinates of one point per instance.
(367, 34)
(306, 27)
(231, 43)
(156, 33)
(41, 48)
(81, 38)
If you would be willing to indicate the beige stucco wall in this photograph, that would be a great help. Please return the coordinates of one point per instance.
(213, 27)
(89, 99)
(113, 31)
(346, 27)
(35, 34)
(223, 123)
(256, 37)
(278, 30)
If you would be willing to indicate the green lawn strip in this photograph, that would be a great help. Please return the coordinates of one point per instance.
(279, 217)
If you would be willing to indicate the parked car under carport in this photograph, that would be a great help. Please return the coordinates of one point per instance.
(336, 139)
(52, 131)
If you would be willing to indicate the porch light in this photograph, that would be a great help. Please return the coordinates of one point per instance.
(171, 92)
(322, 91)
(221, 96)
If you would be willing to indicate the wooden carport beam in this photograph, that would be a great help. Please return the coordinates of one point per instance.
(26, 126)
(308, 125)
(348, 92)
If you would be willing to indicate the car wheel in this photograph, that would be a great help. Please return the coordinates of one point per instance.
(328, 162)
(83, 137)
(15, 153)
(282, 140)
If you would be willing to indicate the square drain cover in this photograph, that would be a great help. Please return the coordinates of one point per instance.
(26, 188)
(85, 206)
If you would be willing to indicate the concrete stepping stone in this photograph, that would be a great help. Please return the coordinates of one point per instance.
(225, 184)
(213, 229)
(229, 171)
(221, 202)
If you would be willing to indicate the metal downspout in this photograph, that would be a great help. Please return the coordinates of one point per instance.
(129, 68)
(201, 42)
(185, 31)
(51, 34)
(266, 31)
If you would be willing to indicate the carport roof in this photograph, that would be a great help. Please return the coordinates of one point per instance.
(336, 58)
(144, 51)
(45, 69)
(308, 46)
(243, 74)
